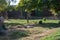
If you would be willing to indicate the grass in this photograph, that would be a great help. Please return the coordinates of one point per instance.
(26, 32)
(36, 30)
(53, 36)
(20, 21)
(18, 34)
(36, 20)
(46, 24)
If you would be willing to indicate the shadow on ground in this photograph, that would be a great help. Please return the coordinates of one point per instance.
(46, 25)
(49, 25)
(15, 35)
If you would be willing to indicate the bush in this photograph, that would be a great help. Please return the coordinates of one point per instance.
(40, 22)
(52, 36)
(57, 37)
(59, 22)
(17, 34)
(44, 19)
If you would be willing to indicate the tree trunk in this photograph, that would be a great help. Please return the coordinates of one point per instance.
(6, 15)
(28, 18)
(0, 14)
(21, 13)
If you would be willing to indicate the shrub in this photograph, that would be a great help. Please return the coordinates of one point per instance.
(17, 34)
(57, 37)
(59, 22)
(40, 22)
(52, 36)
(44, 19)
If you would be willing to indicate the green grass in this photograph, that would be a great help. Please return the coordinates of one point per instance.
(18, 34)
(46, 24)
(31, 21)
(53, 36)
(21, 20)
(38, 29)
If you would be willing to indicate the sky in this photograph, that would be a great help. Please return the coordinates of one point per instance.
(14, 3)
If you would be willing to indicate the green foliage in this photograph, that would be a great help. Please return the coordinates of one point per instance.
(44, 19)
(3, 5)
(59, 22)
(56, 4)
(18, 34)
(30, 5)
(53, 36)
(40, 22)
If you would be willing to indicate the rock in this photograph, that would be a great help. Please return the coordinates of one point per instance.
(19, 26)
(2, 26)
(29, 26)
(3, 32)
(59, 22)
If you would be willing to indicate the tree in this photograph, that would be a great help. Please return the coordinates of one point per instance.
(20, 7)
(3, 5)
(9, 7)
(56, 5)
(30, 5)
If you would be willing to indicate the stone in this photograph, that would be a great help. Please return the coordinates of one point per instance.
(19, 26)
(2, 26)
(29, 26)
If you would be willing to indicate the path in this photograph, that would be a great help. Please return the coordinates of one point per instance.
(38, 36)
